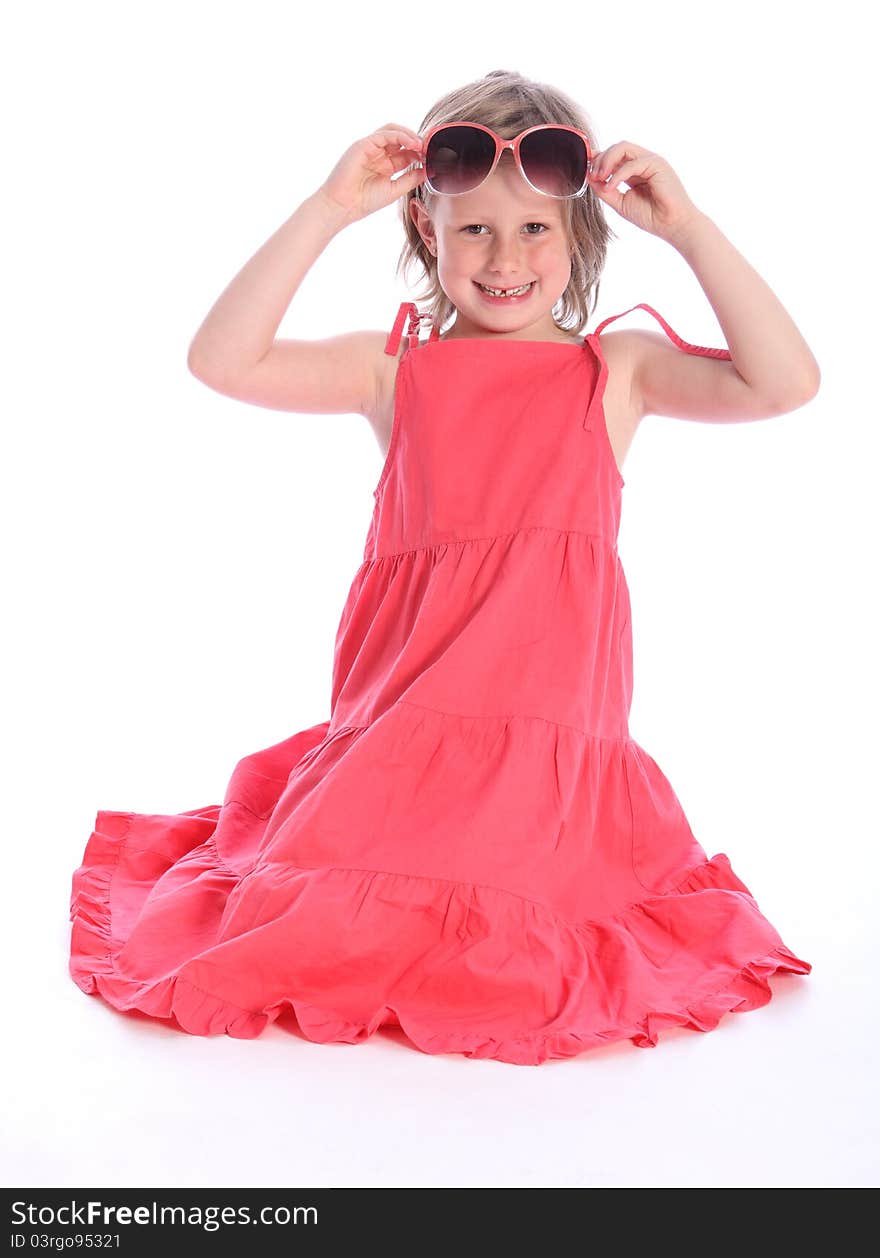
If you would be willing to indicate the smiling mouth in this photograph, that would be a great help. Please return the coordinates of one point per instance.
(518, 291)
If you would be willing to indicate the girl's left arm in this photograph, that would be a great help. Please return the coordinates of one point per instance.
(771, 369)
(765, 345)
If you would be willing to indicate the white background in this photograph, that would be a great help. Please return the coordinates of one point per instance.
(176, 563)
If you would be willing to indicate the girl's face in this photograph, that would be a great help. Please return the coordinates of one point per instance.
(502, 235)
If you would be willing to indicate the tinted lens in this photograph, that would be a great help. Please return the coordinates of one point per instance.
(458, 159)
(555, 161)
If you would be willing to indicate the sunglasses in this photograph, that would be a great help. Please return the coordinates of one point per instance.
(552, 158)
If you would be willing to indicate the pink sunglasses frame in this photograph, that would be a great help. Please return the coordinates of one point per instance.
(514, 145)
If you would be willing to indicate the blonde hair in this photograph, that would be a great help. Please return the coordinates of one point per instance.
(508, 103)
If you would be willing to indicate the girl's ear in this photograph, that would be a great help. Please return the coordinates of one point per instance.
(423, 224)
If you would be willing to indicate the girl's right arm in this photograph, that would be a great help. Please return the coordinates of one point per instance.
(236, 351)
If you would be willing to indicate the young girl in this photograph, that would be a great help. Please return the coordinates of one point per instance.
(472, 847)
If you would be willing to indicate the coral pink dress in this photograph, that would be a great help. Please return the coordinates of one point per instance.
(473, 847)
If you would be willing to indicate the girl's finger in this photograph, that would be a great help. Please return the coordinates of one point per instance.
(403, 157)
(603, 163)
(408, 138)
(618, 175)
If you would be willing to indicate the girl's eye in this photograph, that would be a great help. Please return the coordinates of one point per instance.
(540, 233)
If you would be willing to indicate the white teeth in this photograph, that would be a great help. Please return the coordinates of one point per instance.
(505, 292)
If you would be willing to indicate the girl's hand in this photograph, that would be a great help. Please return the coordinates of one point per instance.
(656, 200)
(360, 182)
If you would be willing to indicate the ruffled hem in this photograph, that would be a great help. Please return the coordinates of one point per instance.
(199, 1012)
(625, 977)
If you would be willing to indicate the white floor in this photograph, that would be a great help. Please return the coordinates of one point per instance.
(784, 1095)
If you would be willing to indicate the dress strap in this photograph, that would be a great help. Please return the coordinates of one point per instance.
(409, 308)
(595, 407)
